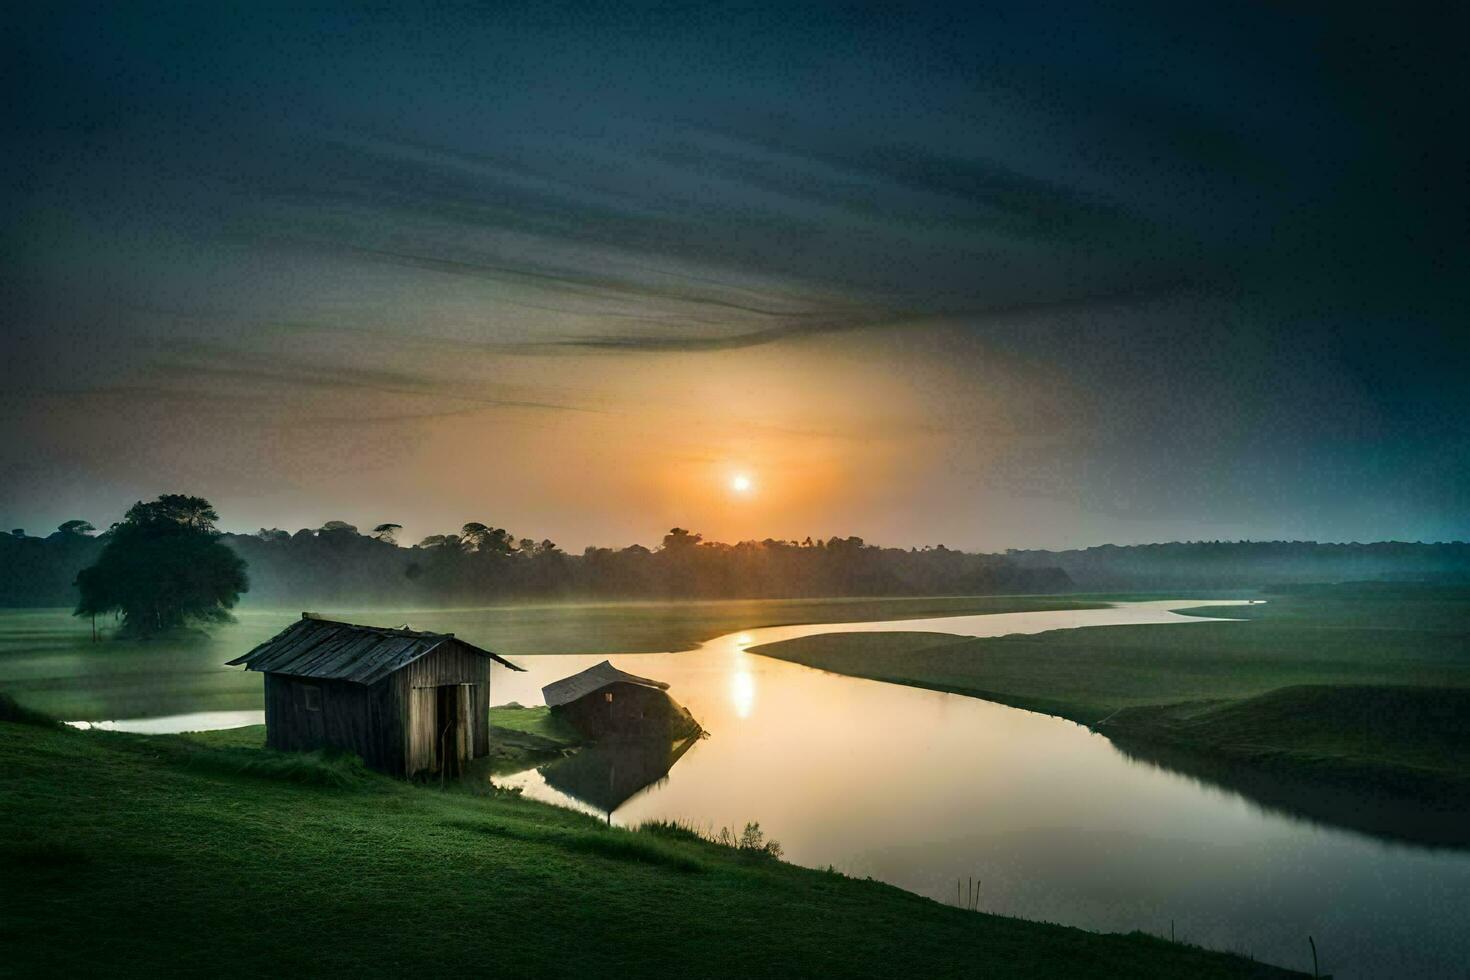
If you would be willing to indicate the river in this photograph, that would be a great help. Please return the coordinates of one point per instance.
(927, 790)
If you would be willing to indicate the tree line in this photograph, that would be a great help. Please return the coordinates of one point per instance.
(171, 547)
(157, 542)
(337, 563)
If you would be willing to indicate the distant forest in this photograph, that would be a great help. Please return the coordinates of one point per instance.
(1251, 564)
(337, 564)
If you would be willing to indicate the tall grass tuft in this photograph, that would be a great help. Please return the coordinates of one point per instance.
(971, 893)
(749, 843)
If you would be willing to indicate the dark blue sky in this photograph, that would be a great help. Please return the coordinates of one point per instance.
(1041, 275)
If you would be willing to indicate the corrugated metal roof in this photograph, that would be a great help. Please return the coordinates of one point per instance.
(315, 647)
(569, 689)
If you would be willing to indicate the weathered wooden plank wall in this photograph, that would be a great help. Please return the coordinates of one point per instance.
(422, 725)
(451, 663)
(306, 713)
(480, 712)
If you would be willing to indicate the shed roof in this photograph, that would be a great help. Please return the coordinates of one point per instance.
(569, 689)
(316, 647)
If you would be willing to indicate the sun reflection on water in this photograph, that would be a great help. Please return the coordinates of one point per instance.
(742, 692)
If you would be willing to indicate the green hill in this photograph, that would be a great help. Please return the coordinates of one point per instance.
(134, 855)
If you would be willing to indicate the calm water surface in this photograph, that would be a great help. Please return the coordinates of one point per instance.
(919, 789)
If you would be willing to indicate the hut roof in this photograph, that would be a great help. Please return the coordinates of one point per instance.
(569, 689)
(316, 647)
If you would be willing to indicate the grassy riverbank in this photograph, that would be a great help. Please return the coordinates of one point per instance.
(48, 660)
(1354, 687)
(519, 738)
(186, 855)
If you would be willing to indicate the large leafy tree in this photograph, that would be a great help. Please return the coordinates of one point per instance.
(164, 567)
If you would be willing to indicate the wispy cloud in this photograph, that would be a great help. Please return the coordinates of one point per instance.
(790, 330)
(247, 385)
(731, 240)
(258, 408)
(198, 362)
(589, 284)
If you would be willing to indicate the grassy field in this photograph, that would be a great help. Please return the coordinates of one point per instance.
(47, 659)
(213, 857)
(1364, 689)
(534, 721)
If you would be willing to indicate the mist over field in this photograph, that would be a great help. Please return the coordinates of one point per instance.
(339, 565)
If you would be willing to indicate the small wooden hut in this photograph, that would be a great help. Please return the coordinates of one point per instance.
(604, 702)
(407, 702)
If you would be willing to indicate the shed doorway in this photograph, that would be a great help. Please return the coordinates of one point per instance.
(442, 729)
(452, 747)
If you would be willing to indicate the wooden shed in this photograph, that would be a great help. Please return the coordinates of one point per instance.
(407, 702)
(604, 702)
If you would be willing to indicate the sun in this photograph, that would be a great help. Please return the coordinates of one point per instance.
(741, 483)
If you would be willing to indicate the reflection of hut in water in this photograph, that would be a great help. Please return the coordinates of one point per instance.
(604, 702)
(608, 774)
